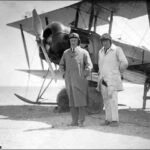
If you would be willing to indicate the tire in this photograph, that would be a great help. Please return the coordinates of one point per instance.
(63, 101)
(95, 101)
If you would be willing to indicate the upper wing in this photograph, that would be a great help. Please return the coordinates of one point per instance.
(101, 10)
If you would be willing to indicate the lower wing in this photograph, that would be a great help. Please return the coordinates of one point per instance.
(43, 73)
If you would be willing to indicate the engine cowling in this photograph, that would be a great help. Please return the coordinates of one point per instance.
(59, 35)
(59, 42)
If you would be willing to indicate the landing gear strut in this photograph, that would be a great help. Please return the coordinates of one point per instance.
(146, 89)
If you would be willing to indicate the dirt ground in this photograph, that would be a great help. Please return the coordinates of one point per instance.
(24, 126)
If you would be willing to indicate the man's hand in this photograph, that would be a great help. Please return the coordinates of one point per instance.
(86, 73)
(110, 91)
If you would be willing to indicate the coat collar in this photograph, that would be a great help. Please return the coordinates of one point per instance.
(112, 47)
(74, 53)
(75, 50)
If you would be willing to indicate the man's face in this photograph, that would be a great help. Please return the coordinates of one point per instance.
(74, 42)
(106, 43)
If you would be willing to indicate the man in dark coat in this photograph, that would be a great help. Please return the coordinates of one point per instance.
(76, 65)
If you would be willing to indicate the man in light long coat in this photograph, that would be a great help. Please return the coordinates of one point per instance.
(76, 65)
(112, 63)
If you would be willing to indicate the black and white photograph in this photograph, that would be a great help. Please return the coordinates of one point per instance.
(75, 74)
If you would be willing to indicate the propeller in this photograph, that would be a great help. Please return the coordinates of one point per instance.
(37, 27)
(37, 24)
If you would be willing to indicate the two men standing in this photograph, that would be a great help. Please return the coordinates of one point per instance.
(76, 65)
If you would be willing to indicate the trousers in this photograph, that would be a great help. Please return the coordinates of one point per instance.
(110, 98)
(78, 114)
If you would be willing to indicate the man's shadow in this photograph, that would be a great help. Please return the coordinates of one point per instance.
(131, 120)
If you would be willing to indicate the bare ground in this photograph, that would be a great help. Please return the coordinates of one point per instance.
(30, 127)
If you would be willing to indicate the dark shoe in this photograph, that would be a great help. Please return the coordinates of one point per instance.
(80, 124)
(73, 124)
(106, 123)
(114, 124)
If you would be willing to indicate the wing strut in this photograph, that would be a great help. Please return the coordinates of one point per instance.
(25, 46)
(46, 20)
(41, 92)
(111, 21)
(146, 89)
(95, 21)
(148, 10)
(77, 17)
(91, 17)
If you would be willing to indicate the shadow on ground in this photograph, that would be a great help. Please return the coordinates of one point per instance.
(134, 122)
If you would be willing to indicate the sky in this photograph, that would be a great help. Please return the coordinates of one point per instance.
(12, 55)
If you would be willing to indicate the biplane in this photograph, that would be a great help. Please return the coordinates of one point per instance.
(83, 17)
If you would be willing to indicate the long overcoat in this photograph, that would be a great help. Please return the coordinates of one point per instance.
(76, 66)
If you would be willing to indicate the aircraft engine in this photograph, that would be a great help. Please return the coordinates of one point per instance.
(56, 40)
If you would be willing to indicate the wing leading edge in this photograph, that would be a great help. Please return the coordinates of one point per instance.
(43, 73)
(102, 9)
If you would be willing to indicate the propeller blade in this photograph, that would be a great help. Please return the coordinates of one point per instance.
(37, 24)
(37, 27)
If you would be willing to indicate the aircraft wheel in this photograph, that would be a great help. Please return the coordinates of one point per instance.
(95, 101)
(63, 101)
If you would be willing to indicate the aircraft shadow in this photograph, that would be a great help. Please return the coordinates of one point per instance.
(131, 120)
